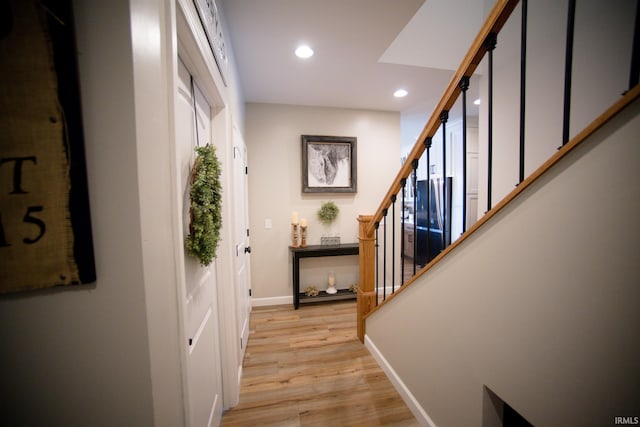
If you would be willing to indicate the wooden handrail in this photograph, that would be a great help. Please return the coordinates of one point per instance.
(628, 98)
(367, 300)
(366, 293)
(493, 24)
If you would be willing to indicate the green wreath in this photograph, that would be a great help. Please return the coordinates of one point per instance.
(328, 212)
(205, 210)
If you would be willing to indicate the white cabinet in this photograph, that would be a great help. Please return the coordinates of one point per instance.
(409, 240)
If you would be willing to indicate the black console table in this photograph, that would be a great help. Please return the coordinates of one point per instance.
(319, 251)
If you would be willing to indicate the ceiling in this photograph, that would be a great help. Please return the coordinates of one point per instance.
(364, 50)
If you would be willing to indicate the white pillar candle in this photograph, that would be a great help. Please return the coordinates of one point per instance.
(303, 222)
(294, 217)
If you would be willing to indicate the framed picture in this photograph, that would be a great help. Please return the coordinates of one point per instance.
(329, 164)
(45, 221)
(210, 19)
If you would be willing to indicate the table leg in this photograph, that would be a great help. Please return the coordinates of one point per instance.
(296, 282)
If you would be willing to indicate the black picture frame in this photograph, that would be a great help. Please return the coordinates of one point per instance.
(329, 164)
(46, 212)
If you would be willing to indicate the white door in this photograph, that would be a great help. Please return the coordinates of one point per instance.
(472, 176)
(241, 238)
(199, 298)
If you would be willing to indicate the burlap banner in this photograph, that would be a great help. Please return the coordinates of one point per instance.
(43, 197)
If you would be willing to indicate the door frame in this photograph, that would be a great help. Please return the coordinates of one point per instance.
(240, 144)
(192, 47)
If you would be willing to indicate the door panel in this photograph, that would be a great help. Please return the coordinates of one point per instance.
(202, 411)
(199, 296)
(241, 236)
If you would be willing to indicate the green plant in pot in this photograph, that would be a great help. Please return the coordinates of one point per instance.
(327, 214)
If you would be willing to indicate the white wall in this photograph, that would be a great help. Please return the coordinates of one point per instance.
(109, 353)
(601, 61)
(540, 305)
(81, 356)
(275, 189)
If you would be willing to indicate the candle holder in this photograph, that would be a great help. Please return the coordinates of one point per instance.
(295, 236)
(303, 234)
(331, 280)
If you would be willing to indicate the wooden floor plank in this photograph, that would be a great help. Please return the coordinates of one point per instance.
(306, 367)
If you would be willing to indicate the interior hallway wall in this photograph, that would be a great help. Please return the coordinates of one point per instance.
(81, 356)
(540, 304)
(108, 353)
(275, 189)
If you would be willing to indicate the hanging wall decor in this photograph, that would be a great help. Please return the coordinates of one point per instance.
(206, 206)
(45, 227)
(212, 24)
(329, 164)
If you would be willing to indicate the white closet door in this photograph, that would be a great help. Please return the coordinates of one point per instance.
(241, 236)
(199, 295)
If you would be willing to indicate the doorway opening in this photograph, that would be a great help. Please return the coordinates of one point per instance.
(497, 413)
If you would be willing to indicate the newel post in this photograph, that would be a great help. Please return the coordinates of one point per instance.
(366, 290)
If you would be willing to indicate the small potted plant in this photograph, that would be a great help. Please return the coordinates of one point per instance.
(327, 214)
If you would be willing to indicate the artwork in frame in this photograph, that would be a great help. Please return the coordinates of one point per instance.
(329, 164)
(45, 223)
(211, 23)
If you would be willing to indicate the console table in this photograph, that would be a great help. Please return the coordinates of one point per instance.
(319, 251)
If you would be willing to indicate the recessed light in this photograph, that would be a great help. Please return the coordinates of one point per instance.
(477, 101)
(400, 93)
(304, 51)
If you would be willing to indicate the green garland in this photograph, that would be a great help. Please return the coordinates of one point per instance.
(328, 212)
(205, 209)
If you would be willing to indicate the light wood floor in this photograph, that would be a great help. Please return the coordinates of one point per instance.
(306, 367)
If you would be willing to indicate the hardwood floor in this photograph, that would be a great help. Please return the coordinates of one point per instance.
(306, 367)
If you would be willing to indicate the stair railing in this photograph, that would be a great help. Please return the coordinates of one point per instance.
(429, 242)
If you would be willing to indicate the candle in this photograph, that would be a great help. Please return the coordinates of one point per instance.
(303, 222)
(294, 218)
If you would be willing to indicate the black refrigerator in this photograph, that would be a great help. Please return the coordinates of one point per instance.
(433, 218)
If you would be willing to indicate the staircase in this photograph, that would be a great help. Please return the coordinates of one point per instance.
(534, 306)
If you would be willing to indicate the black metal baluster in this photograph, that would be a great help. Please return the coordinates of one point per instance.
(464, 85)
(444, 117)
(384, 258)
(427, 144)
(490, 45)
(403, 183)
(635, 52)
(568, 70)
(393, 243)
(377, 262)
(414, 166)
(523, 76)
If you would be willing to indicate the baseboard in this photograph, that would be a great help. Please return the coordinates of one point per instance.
(398, 384)
(259, 302)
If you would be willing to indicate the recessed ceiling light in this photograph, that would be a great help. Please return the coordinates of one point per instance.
(304, 51)
(477, 101)
(400, 93)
